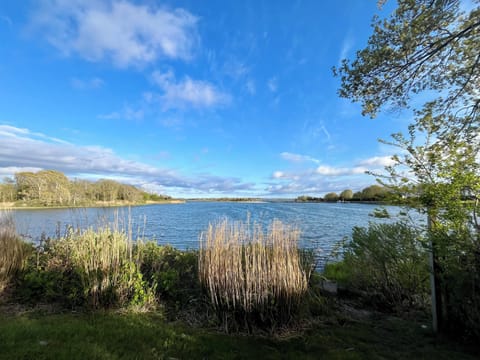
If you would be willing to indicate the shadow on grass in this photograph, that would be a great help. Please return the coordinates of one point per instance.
(148, 336)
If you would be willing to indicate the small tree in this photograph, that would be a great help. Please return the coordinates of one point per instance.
(332, 197)
(430, 45)
(346, 195)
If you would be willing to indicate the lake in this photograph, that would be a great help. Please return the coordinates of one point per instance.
(322, 225)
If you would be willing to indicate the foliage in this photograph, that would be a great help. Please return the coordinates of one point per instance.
(431, 48)
(388, 262)
(50, 187)
(48, 277)
(172, 272)
(155, 197)
(458, 280)
(423, 46)
(331, 197)
(253, 278)
(346, 195)
(11, 250)
(104, 269)
(337, 271)
(94, 269)
(305, 198)
(375, 193)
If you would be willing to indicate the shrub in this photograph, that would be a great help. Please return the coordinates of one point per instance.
(252, 277)
(458, 276)
(93, 268)
(174, 273)
(11, 250)
(105, 261)
(387, 261)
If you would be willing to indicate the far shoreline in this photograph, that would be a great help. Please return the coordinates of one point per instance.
(99, 204)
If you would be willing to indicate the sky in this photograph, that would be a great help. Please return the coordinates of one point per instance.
(189, 98)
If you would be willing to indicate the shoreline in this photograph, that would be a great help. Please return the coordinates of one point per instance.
(13, 206)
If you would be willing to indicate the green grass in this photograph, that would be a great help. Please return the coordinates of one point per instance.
(148, 336)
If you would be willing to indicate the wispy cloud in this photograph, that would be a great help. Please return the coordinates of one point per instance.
(272, 84)
(298, 158)
(85, 84)
(235, 69)
(6, 20)
(121, 31)
(250, 86)
(23, 150)
(346, 47)
(127, 113)
(188, 92)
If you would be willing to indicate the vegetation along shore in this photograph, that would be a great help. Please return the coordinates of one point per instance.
(85, 293)
(51, 188)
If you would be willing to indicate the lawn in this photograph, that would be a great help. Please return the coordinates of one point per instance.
(38, 336)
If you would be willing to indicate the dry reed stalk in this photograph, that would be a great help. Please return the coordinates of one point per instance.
(11, 249)
(101, 255)
(244, 268)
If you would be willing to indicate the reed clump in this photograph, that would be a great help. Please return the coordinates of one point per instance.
(11, 249)
(253, 276)
(108, 266)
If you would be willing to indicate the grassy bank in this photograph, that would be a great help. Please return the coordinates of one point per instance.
(100, 294)
(148, 336)
(100, 204)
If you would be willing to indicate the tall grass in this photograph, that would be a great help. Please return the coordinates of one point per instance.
(252, 272)
(11, 249)
(101, 257)
(103, 263)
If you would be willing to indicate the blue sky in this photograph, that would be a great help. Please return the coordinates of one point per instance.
(189, 98)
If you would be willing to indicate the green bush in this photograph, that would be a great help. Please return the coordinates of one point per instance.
(48, 278)
(93, 269)
(389, 263)
(337, 271)
(174, 273)
(458, 276)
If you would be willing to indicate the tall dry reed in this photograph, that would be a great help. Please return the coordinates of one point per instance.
(11, 249)
(244, 268)
(109, 267)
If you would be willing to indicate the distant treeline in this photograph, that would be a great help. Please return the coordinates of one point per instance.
(374, 193)
(237, 199)
(50, 188)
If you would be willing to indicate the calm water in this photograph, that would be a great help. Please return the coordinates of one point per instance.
(322, 224)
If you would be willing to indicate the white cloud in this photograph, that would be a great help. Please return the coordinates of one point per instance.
(272, 84)
(324, 178)
(8, 171)
(188, 92)
(121, 31)
(297, 158)
(377, 161)
(23, 150)
(277, 175)
(333, 171)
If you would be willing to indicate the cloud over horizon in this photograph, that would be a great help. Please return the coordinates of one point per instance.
(23, 150)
